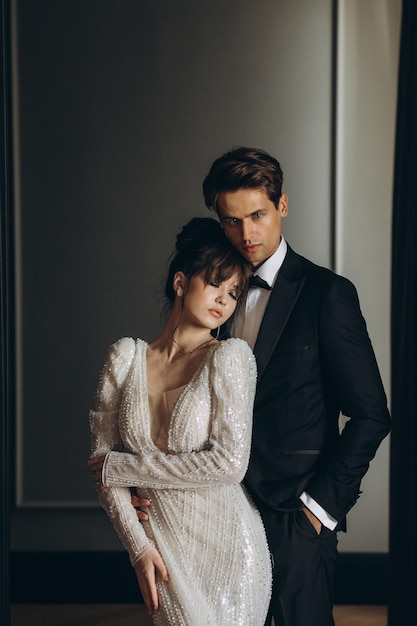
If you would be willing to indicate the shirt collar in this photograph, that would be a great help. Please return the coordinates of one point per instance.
(270, 268)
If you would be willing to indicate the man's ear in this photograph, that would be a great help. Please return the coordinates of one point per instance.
(283, 205)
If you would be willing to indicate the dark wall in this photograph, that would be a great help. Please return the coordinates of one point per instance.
(120, 108)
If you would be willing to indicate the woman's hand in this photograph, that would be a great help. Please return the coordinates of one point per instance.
(147, 569)
(95, 467)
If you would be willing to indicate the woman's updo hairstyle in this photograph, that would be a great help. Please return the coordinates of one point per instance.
(202, 246)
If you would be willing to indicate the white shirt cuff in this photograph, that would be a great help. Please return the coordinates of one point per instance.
(327, 520)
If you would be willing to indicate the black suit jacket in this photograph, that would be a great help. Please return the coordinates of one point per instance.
(315, 361)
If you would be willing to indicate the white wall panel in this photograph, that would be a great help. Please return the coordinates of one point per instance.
(367, 68)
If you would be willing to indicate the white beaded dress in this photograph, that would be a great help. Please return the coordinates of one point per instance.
(206, 528)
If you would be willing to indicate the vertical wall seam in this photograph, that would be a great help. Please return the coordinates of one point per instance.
(333, 133)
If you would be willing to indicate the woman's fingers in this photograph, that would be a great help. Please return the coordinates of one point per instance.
(147, 569)
(145, 573)
(161, 569)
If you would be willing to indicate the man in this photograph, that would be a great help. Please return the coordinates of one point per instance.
(315, 361)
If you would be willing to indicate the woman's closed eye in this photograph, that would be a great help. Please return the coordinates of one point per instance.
(233, 294)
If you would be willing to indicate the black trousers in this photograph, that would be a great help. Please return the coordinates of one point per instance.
(304, 570)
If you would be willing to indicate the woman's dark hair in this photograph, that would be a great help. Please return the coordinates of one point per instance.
(202, 246)
(243, 168)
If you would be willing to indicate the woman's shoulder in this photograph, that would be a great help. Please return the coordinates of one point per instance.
(235, 346)
(125, 348)
(234, 360)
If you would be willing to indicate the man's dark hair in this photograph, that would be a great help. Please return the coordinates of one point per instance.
(243, 168)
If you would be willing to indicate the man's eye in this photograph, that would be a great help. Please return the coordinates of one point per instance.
(230, 220)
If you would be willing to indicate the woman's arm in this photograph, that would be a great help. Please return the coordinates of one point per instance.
(233, 380)
(105, 438)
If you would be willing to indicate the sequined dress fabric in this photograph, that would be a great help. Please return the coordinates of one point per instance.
(201, 519)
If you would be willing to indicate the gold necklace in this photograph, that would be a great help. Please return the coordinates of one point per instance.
(189, 352)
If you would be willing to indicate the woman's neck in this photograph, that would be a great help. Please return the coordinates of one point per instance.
(179, 339)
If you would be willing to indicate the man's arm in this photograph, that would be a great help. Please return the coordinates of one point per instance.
(353, 381)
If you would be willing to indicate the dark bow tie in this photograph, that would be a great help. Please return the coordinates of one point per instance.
(257, 281)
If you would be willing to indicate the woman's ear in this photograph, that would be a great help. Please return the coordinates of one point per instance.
(178, 283)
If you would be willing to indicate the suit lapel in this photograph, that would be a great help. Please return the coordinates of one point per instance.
(283, 297)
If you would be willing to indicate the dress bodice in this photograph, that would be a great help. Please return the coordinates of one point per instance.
(161, 405)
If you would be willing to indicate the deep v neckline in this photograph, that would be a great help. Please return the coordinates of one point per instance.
(183, 392)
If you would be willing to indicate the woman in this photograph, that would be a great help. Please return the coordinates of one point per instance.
(173, 418)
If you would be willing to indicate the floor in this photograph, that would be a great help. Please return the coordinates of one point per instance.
(135, 615)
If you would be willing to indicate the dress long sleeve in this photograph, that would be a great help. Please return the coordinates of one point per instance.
(224, 458)
(105, 436)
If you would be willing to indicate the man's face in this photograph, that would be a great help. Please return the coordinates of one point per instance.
(252, 222)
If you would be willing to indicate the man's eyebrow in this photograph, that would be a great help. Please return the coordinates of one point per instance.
(231, 216)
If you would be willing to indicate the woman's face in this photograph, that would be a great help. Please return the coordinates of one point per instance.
(210, 305)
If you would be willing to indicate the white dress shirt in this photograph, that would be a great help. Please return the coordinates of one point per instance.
(248, 318)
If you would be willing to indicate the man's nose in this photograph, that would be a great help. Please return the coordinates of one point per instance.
(246, 231)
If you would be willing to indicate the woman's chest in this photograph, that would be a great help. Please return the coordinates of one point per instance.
(188, 420)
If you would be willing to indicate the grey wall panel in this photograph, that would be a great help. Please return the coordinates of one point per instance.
(120, 110)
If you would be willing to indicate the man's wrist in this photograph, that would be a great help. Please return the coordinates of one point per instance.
(315, 522)
(325, 518)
